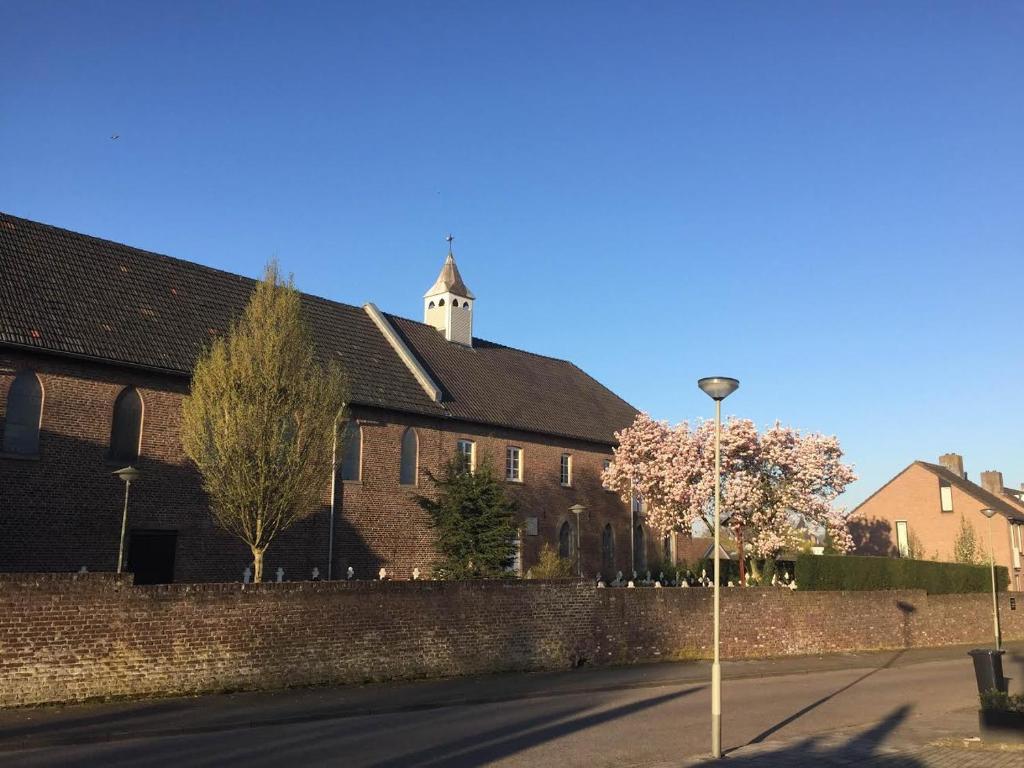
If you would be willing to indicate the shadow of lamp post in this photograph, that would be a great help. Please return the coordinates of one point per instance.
(990, 513)
(128, 475)
(717, 388)
(576, 509)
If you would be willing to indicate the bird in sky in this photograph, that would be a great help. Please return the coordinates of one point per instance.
(115, 137)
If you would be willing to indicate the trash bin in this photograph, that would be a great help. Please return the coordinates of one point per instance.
(988, 669)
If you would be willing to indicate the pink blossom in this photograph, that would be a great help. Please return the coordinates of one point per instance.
(769, 479)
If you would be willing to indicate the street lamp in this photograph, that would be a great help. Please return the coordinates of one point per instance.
(717, 388)
(128, 475)
(990, 513)
(576, 509)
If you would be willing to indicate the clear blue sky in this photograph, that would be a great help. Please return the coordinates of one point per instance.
(822, 199)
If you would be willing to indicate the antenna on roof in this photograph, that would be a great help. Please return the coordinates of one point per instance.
(449, 237)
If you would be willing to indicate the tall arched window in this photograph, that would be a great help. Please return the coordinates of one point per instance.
(410, 457)
(666, 550)
(639, 549)
(126, 426)
(565, 541)
(352, 455)
(608, 551)
(24, 414)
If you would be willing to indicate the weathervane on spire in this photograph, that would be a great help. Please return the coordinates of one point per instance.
(449, 237)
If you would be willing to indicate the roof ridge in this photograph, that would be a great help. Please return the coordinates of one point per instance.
(146, 251)
(493, 343)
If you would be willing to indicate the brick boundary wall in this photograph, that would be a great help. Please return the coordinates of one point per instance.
(75, 637)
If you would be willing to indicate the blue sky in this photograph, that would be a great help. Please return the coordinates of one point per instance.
(822, 199)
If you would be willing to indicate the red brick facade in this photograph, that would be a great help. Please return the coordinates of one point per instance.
(69, 637)
(62, 510)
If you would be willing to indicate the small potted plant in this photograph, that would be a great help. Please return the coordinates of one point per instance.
(1001, 717)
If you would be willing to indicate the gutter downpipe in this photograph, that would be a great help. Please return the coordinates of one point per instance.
(334, 485)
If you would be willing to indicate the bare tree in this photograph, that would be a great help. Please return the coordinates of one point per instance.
(261, 417)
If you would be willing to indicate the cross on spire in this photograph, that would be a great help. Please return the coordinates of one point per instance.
(449, 237)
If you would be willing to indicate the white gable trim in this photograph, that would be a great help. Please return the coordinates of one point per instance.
(433, 391)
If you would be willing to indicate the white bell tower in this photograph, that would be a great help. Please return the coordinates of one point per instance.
(449, 304)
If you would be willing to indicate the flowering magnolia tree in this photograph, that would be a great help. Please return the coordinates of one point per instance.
(768, 478)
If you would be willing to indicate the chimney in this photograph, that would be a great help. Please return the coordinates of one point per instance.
(954, 462)
(992, 482)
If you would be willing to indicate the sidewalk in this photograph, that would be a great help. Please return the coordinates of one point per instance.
(99, 722)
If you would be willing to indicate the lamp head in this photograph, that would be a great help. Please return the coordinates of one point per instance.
(989, 513)
(577, 508)
(128, 474)
(718, 387)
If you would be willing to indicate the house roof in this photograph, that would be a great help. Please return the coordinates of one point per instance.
(72, 294)
(1002, 505)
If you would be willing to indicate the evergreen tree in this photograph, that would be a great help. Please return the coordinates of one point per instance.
(261, 417)
(474, 521)
(965, 545)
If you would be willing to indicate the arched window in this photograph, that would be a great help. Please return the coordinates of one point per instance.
(24, 414)
(440, 303)
(465, 305)
(455, 302)
(430, 306)
(666, 550)
(565, 542)
(608, 551)
(410, 457)
(352, 451)
(126, 426)
(639, 549)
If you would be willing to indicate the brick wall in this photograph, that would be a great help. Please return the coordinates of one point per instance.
(62, 510)
(71, 637)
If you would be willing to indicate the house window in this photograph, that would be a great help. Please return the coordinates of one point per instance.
(946, 496)
(604, 466)
(24, 414)
(608, 551)
(638, 504)
(410, 457)
(467, 449)
(666, 550)
(902, 538)
(514, 464)
(126, 427)
(566, 469)
(639, 549)
(565, 542)
(352, 452)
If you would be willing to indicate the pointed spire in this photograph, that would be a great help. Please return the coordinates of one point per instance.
(449, 279)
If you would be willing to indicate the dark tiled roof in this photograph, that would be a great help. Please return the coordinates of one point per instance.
(69, 293)
(492, 383)
(1003, 506)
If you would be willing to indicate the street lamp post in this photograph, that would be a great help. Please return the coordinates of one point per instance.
(990, 513)
(717, 388)
(576, 509)
(128, 474)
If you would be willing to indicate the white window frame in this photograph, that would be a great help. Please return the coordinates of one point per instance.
(945, 496)
(903, 547)
(514, 466)
(604, 465)
(460, 447)
(565, 470)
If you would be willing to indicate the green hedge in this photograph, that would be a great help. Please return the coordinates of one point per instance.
(836, 572)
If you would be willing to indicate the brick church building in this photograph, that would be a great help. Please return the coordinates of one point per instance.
(97, 341)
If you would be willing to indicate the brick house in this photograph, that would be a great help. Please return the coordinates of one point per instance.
(97, 341)
(921, 507)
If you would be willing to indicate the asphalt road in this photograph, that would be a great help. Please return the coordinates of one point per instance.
(603, 718)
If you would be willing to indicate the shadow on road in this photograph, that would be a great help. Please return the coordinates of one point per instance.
(861, 749)
(800, 713)
(480, 749)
